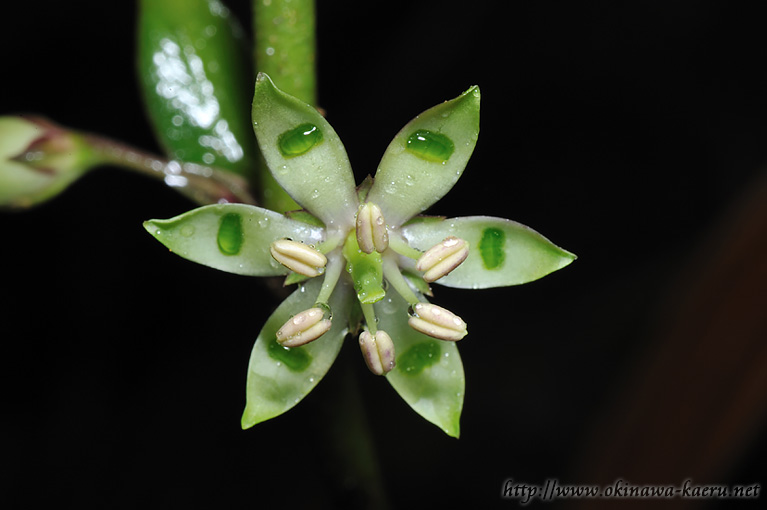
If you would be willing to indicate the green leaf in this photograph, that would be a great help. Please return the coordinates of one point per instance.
(304, 154)
(501, 252)
(428, 374)
(232, 237)
(279, 377)
(426, 158)
(194, 68)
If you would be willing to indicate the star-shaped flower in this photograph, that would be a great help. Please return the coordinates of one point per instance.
(361, 255)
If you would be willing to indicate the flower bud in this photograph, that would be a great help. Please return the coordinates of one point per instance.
(378, 351)
(304, 327)
(442, 258)
(38, 159)
(371, 229)
(437, 322)
(298, 257)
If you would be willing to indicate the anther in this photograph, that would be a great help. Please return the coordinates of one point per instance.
(304, 327)
(298, 257)
(371, 229)
(442, 258)
(378, 351)
(437, 322)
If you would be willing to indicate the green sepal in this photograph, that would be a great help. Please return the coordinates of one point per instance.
(501, 252)
(231, 237)
(304, 154)
(410, 177)
(366, 271)
(194, 69)
(279, 377)
(428, 373)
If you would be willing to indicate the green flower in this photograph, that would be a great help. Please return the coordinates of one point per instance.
(361, 255)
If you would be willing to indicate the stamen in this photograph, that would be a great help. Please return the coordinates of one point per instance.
(371, 229)
(401, 246)
(298, 257)
(332, 272)
(396, 280)
(378, 351)
(437, 322)
(442, 258)
(304, 327)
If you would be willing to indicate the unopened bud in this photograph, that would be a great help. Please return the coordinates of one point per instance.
(38, 159)
(298, 257)
(378, 351)
(442, 258)
(304, 327)
(371, 229)
(437, 322)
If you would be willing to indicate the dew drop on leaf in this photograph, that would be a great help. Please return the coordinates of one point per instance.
(230, 234)
(430, 146)
(299, 140)
(491, 248)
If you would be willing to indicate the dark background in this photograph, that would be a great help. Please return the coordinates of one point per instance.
(631, 133)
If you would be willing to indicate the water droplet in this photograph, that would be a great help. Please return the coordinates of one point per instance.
(187, 230)
(491, 248)
(230, 234)
(299, 140)
(430, 146)
(420, 356)
(263, 222)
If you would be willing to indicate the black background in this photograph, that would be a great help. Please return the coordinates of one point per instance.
(625, 132)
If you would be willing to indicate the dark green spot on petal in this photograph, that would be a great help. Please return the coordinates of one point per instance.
(295, 358)
(230, 234)
(420, 356)
(491, 248)
(299, 140)
(430, 146)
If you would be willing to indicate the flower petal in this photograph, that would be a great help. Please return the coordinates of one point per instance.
(279, 377)
(231, 237)
(426, 158)
(304, 154)
(428, 374)
(501, 252)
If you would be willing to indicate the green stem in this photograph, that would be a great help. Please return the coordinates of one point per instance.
(203, 184)
(284, 48)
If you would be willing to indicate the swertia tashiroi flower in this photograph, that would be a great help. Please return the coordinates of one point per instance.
(361, 253)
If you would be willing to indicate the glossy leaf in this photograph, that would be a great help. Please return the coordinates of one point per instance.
(195, 73)
(231, 237)
(304, 154)
(426, 158)
(501, 252)
(279, 377)
(428, 374)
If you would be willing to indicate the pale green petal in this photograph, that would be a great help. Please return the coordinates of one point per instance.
(501, 252)
(231, 237)
(416, 170)
(304, 154)
(428, 374)
(279, 377)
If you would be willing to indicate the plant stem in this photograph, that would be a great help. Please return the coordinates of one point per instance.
(284, 48)
(203, 184)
